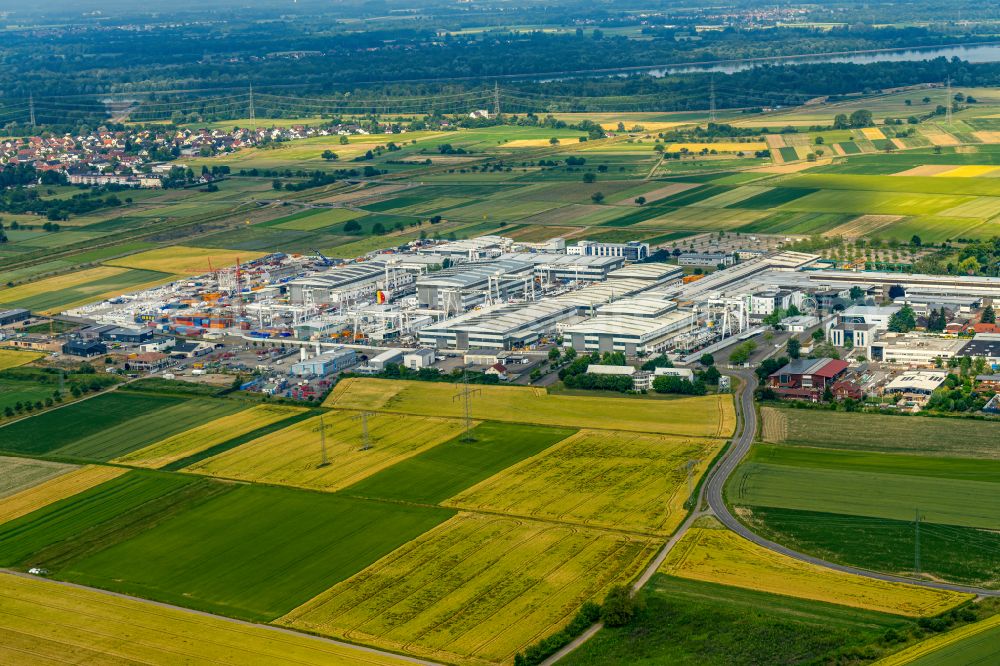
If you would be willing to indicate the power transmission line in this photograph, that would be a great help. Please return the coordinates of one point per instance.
(947, 103)
(465, 394)
(366, 442)
(711, 101)
(253, 117)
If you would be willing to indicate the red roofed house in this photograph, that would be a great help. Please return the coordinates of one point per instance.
(806, 378)
(498, 369)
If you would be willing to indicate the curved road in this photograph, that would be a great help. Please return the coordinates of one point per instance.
(740, 447)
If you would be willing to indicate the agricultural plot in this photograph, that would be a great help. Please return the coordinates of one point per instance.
(708, 416)
(501, 209)
(716, 555)
(123, 438)
(733, 197)
(702, 219)
(872, 432)
(626, 481)
(294, 456)
(787, 222)
(44, 622)
(862, 202)
(208, 434)
(442, 471)
(476, 589)
(55, 429)
(977, 643)
(12, 358)
(719, 147)
(315, 219)
(181, 260)
(47, 490)
(690, 622)
(252, 552)
(17, 474)
(947, 501)
(81, 521)
(55, 294)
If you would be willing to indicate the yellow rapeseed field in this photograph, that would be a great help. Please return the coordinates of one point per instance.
(871, 133)
(44, 622)
(207, 435)
(292, 456)
(58, 283)
(55, 489)
(935, 643)
(11, 358)
(968, 171)
(182, 260)
(623, 480)
(719, 147)
(721, 556)
(705, 416)
(475, 589)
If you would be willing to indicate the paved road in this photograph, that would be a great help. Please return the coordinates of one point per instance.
(740, 447)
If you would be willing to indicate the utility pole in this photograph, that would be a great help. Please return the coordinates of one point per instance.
(31, 108)
(366, 441)
(916, 541)
(711, 100)
(465, 394)
(947, 105)
(253, 113)
(324, 461)
(496, 99)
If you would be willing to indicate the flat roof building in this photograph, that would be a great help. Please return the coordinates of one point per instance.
(325, 363)
(348, 283)
(624, 333)
(505, 326)
(914, 349)
(630, 251)
(457, 289)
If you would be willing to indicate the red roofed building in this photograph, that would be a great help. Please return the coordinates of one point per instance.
(806, 378)
(985, 328)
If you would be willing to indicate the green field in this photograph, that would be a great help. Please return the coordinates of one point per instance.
(439, 473)
(85, 421)
(251, 551)
(859, 492)
(848, 488)
(91, 520)
(690, 622)
(920, 435)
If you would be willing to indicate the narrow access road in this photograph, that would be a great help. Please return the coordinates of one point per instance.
(727, 465)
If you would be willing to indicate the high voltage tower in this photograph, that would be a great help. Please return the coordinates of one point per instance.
(947, 102)
(31, 108)
(711, 100)
(496, 99)
(253, 115)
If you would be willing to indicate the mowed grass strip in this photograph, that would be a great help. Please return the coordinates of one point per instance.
(438, 473)
(17, 474)
(254, 552)
(716, 555)
(206, 435)
(157, 425)
(861, 493)
(891, 434)
(45, 622)
(54, 489)
(293, 456)
(12, 358)
(476, 589)
(618, 480)
(57, 428)
(977, 643)
(707, 416)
